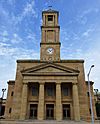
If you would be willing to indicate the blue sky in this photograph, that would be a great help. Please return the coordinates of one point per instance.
(20, 33)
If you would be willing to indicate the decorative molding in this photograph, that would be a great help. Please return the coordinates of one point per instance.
(62, 70)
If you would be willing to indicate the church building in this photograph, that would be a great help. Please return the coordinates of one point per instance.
(49, 88)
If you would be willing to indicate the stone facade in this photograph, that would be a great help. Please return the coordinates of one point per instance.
(49, 88)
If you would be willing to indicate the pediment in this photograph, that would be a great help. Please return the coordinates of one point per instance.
(49, 68)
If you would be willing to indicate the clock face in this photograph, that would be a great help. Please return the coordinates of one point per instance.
(50, 50)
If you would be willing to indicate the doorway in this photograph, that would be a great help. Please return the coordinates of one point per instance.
(66, 111)
(33, 111)
(50, 111)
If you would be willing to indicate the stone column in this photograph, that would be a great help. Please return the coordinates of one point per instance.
(24, 102)
(41, 102)
(58, 102)
(76, 103)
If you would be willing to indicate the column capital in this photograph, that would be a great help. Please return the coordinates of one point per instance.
(58, 83)
(25, 82)
(74, 83)
(41, 83)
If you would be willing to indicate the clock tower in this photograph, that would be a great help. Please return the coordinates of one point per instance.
(50, 44)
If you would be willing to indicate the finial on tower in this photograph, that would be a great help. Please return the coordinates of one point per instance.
(50, 7)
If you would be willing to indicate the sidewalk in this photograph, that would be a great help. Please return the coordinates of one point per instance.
(44, 122)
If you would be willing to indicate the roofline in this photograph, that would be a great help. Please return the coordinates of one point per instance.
(50, 11)
(11, 82)
(47, 11)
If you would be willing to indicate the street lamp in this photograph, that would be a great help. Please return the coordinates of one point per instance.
(91, 108)
(3, 90)
(96, 91)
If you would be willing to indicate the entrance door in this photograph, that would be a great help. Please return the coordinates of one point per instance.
(33, 111)
(50, 111)
(66, 111)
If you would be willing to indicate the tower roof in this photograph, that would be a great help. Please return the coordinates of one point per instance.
(50, 11)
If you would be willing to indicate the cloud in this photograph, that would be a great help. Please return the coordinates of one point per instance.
(16, 39)
(88, 11)
(5, 33)
(4, 39)
(64, 35)
(3, 12)
(93, 57)
(11, 45)
(31, 37)
(81, 19)
(87, 32)
(4, 36)
(7, 51)
(82, 16)
(28, 10)
(11, 2)
(4, 44)
(4, 16)
(10, 18)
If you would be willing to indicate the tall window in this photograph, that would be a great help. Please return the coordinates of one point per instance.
(33, 111)
(10, 110)
(65, 90)
(12, 93)
(50, 17)
(50, 35)
(90, 111)
(88, 94)
(50, 90)
(35, 90)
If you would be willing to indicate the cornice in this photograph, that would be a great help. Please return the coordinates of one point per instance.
(55, 26)
(11, 82)
(50, 74)
(39, 61)
(91, 82)
(42, 43)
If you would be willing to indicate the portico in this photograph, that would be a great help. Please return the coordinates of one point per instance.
(56, 97)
